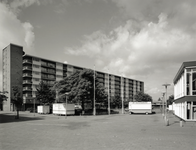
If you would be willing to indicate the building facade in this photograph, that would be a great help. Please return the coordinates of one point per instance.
(184, 105)
(12, 72)
(32, 70)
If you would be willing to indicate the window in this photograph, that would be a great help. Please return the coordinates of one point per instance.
(44, 63)
(35, 66)
(51, 65)
(44, 69)
(194, 83)
(37, 73)
(187, 84)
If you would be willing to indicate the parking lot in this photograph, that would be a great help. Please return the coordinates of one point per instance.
(102, 132)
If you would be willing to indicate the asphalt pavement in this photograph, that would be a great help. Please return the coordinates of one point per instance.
(101, 132)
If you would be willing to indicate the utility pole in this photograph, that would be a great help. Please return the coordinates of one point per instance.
(66, 95)
(163, 110)
(166, 85)
(122, 94)
(166, 120)
(94, 109)
(108, 94)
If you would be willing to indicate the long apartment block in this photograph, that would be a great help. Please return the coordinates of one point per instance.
(26, 72)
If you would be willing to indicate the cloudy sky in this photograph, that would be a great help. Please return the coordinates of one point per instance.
(144, 40)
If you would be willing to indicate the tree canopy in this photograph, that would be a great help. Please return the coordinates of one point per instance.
(142, 97)
(3, 96)
(170, 100)
(117, 101)
(80, 86)
(17, 99)
(44, 94)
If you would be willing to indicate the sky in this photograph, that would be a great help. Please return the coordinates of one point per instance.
(143, 40)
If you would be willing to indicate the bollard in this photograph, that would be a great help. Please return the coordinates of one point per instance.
(181, 123)
(163, 115)
(166, 122)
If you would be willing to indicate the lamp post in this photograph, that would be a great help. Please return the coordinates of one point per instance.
(66, 95)
(163, 112)
(94, 109)
(122, 84)
(34, 106)
(166, 120)
(166, 85)
(108, 95)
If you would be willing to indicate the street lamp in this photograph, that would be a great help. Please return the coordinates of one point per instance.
(66, 94)
(34, 106)
(94, 109)
(166, 120)
(163, 112)
(108, 95)
(166, 85)
(122, 84)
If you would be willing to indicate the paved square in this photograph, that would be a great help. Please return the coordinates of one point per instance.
(104, 132)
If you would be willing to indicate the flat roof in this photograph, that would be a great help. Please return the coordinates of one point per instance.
(184, 65)
(11, 44)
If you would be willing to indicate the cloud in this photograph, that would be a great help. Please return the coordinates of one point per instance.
(17, 4)
(181, 13)
(29, 36)
(145, 50)
(12, 30)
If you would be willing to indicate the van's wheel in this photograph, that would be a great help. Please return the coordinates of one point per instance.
(146, 113)
(129, 113)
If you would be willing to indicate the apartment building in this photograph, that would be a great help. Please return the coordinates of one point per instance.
(27, 71)
(184, 105)
(12, 72)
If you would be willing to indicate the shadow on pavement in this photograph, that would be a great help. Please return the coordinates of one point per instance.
(10, 117)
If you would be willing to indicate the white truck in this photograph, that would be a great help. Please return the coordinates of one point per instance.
(63, 109)
(140, 107)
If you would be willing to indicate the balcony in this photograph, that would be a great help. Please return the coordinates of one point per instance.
(27, 95)
(100, 75)
(27, 61)
(27, 89)
(27, 68)
(48, 78)
(48, 65)
(27, 75)
(48, 71)
(27, 82)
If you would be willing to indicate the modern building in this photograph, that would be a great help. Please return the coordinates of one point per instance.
(26, 72)
(184, 105)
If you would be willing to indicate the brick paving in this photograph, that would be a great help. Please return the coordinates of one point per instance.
(103, 132)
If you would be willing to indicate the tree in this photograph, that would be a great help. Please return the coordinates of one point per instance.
(80, 86)
(170, 100)
(3, 97)
(44, 94)
(17, 99)
(117, 101)
(142, 97)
